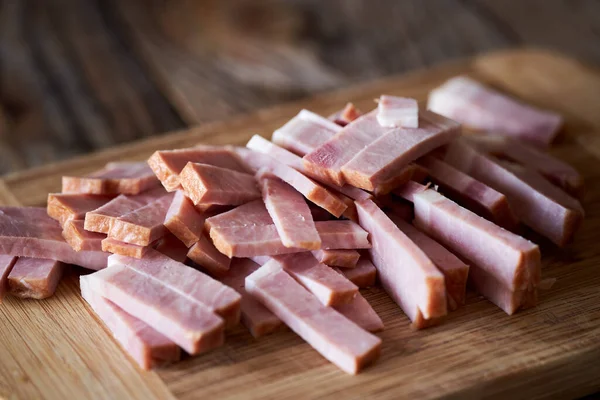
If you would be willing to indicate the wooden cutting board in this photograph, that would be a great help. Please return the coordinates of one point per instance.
(57, 349)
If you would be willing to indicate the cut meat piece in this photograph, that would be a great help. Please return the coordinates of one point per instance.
(101, 219)
(188, 323)
(482, 108)
(338, 339)
(337, 258)
(167, 164)
(205, 254)
(189, 282)
(304, 132)
(183, 220)
(172, 247)
(250, 214)
(34, 278)
(539, 204)
(382, 164)
(6, 265)
(363, 275)
(143, 225)
(345, 116)
(327, 286)
(350, 212)
(125, 249)
(290, 214)
(256, 317)
(455, 271)
(80, 239)
(471, 193)
(393, 111)
(203, 183)
(406, 273)
(115, 178)
(64, 207)
(30, 232)
(361, 313)
(145, 345)
(342, 235)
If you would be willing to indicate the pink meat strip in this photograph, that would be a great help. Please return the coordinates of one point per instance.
(189, 324)
(406, 273)
(115, 178)
(346, 115)
(205, 254)
(167, 164)
(304, 132)
(471, 193)
(337, 257)
(290, 214)
(539, 204)
(34, 278)
(513, 262)
(30, 232)
(482, 108)
(361, 313)
(363, 275)
(255, 317)
(393, 111)
(125, 249)
(171, 246)
(183, 220)
(455, 271)
(80, 239)
(146, 346)
(342, 235)
(189, 282)
(6, 265)
(73, 206)
(338, 339)
(206, 184)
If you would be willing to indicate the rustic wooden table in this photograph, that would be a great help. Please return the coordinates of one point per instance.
(76, 75)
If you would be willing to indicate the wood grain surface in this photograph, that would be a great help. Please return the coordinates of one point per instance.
(549, 351)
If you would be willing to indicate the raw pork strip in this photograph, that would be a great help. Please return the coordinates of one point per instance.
(34, 278)
(393, 111)
(188, 282)
(482, 108)
(363, 275)
(125, 249)
(142, 226)
(471, 193)
(382, 164)
(455, 271)
(167, 164)
(338, 339)
(203, 183)
(115, 178)
(80, 239)
(337, 258)
(542, 206)
(101, 219)
(30, 232)
(304, 132)
(557, 171)
(189, 324)
(205, 254)
(342, 235)
(345, 116)
(361, 313)
(514, 262)
(64, 207)
(329, 287)
(6, 265)
(406, 273)
(255, 317)
(146, 346)
(290, 214)
(171, 246)
(183, 220)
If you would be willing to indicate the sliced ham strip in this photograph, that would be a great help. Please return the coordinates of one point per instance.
(342, 235)
(167, 164)
(393, 111)
(471, 193)
(540, 205)
(188, 282)
(73, 206)
(146, 346)
(338, 339)
(188, 323)
(116, 178)
(290, 214)
(255, 317)
(125, 249)
(183, 220)
(205, 254)
(406, 273)
(6, 265)
(345, 115)
(363, 275)
(30, 232)
(80, 239)
(482, 108)
(361, 313)
(34, 278)
(337, 257)
(455, 271)
(304, 132)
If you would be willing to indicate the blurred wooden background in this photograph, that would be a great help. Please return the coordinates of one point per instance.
(77, 75)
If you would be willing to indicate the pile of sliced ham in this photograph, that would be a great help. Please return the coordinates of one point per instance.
(286, 232)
